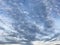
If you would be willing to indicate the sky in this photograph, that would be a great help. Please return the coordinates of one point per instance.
(28, 21)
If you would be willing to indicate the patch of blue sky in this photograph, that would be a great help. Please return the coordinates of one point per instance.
(56, 20)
